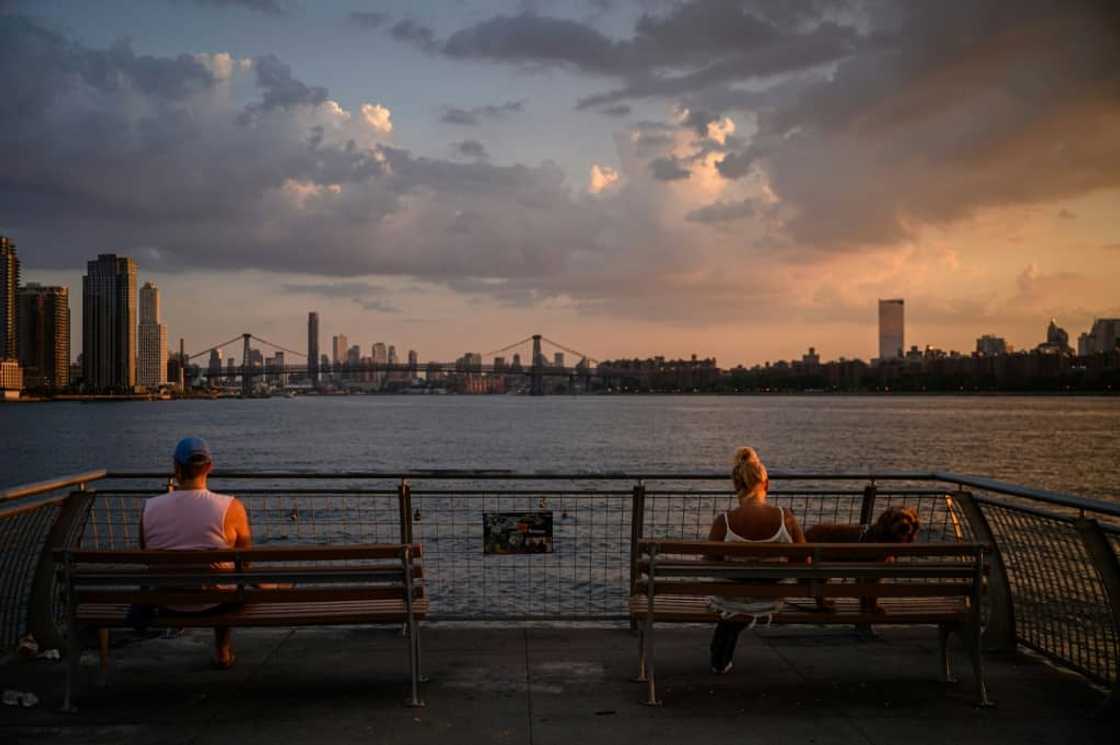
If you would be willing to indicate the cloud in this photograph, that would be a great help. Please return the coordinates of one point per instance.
(281, 90)
(414, 33)
(735, 165)
(377, 305)
(620, 109)
(723, 212)
(289, 181)
(377, 116)
(332, 289)
(368, 20)
(602, 177)
(1065, 214)
(473, 116)
(271, 7)
(470, 149)
(668, 169)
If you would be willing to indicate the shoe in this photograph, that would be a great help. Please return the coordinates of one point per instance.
(726, 669)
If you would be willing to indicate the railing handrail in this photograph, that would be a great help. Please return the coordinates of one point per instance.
(962, 480)
(1026, 492)
(41, 487)
(510, 475)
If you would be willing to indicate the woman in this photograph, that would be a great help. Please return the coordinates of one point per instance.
(753, 521)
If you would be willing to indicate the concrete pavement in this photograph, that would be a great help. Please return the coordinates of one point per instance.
(550, 685)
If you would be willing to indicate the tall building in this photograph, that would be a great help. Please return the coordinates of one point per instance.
(354, 356)
(1103, 337)
(313, 347)
(892, 325)
(340, 347)
(1057, 340)
(214, 368)
(151, 364)
(413, 361)
(380, 355)
(990, 346)
(44, 335)
(109, 323)
(9, 286)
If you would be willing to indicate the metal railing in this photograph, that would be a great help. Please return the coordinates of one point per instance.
(1054, 584)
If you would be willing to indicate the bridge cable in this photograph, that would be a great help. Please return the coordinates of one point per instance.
(216, 346)
(509, 347)
(277, 346)
(570, 351)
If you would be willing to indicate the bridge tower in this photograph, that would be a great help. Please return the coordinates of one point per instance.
(536, 376)
(246, 387)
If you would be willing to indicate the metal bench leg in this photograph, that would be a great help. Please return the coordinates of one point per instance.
(73, 666)
(943, 632)
(414, 663)
(647, 636)
(103, 657)
(641, 656)
(975, 651)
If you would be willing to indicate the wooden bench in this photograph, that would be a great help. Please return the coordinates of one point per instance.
(937, 584)
(273, 586)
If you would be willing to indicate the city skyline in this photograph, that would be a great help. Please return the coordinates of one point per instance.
(433, 174)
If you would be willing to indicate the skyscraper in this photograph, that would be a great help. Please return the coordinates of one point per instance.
(891, 329)
(44, 335)
(214, 367)
(151, 366)
(340, 347)
(313, 347)
(109, 323)
(9, 285)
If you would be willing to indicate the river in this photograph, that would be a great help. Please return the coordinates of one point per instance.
(1069, 444)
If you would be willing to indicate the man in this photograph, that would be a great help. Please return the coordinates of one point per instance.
(192, 517)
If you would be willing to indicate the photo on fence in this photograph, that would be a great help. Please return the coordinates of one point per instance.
(516, 533)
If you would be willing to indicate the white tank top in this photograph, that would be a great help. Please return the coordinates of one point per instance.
(193, 519)
(782, 536)
(738, 609)
(186, 520)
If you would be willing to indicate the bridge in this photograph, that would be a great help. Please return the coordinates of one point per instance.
(494, 364)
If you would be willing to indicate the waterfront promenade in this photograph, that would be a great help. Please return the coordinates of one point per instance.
(552, 684)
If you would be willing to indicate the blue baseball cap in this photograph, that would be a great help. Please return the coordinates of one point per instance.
(192, 450)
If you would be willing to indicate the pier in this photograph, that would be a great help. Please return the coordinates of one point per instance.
(537, 648)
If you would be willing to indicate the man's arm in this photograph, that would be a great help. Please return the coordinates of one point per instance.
(237, 530)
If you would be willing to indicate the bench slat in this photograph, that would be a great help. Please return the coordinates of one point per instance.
(87, 574)
(256, 554)
(824, 570)
(831, 589)
(693, 609)
(203, 596)
(302, 614)
(806, 550)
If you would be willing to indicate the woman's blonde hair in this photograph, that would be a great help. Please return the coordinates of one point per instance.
(747, 471)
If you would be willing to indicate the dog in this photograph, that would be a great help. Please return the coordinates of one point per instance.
(897, 524)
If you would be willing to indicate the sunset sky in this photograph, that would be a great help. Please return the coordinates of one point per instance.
(732, 179)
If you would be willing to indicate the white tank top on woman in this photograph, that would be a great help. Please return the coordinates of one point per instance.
(731, 609)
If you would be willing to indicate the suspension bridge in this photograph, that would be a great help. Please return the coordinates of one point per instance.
(503, 364)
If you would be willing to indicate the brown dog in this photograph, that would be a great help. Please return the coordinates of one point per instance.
(895, 525)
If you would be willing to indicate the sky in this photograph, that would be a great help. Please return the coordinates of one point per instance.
(733, 179)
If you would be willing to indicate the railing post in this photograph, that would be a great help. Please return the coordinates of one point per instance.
(637, 519)
(867, 508)
(64, 533)
(404, 501)
(999, 634)
(1108, 567)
